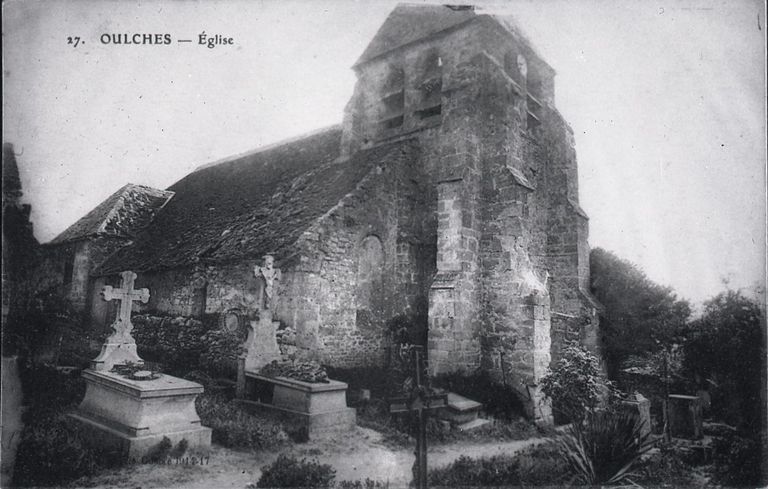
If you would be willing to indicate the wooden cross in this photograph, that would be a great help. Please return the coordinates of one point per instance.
(126, 295)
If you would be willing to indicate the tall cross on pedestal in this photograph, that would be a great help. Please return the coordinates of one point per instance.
(120, 347)
(126, 295)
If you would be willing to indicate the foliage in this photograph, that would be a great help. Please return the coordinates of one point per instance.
(51, 452)
(500, 401)
(605, 448)
(220, 353)
(311, 372)
(290, 472)
(48, 328)
(185, 345)
(540, 465)
(666, 467)
(177, 342)
(366, 484)
(48, 391)
(233, 427)
(52, 449)
(639, 316)
(726, 346)
(575, 384)
(738, 460)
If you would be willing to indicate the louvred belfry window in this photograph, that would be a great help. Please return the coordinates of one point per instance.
(393, 100)
(430, 86)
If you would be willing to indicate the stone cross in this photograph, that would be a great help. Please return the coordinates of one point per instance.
(120, 347)
(269, 274)
(126, 295)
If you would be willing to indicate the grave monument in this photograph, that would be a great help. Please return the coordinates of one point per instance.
(129, 412)
(318, 407)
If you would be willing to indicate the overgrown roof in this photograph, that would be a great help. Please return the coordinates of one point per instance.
(123, 214)
(250, 205)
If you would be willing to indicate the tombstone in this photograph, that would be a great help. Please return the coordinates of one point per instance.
(260, 347)
(638, 405)
(685, 420)
(319, 409)
(130, 414)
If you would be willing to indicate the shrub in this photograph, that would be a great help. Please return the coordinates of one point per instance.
(727, 347)
(220, 353)
(177, 342)
(47, 391)
(605, 448)
(666, 467)
(539, 465)
(738, 460)
(575, 385)
(51, 452)
(290, 472)
(235, 428)
(366, 484)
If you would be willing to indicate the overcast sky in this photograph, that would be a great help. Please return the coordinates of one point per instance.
(667, 100)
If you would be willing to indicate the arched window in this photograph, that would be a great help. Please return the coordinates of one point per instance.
(431, 85)
(393, 99)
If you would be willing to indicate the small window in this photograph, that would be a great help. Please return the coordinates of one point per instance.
(516, 67)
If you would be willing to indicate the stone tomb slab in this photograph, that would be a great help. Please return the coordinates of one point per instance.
(321, 408)
(685, 418)
(130, 417)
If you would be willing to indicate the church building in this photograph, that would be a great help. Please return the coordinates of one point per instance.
(448, 195)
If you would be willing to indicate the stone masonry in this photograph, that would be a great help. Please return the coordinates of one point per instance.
(448, 195)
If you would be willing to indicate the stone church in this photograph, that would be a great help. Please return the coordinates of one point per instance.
(448, 195)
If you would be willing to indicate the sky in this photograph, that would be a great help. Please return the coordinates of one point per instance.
(666, 99)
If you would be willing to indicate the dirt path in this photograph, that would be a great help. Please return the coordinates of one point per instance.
(357, 455)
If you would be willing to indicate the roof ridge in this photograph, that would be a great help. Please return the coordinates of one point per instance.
(268, 147)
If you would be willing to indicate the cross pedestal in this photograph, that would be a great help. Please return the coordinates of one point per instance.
(128, 416)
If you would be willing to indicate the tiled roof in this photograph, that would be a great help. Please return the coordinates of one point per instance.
(122, 214)
(250, 205)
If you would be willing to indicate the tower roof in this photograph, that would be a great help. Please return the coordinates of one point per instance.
(410, 22)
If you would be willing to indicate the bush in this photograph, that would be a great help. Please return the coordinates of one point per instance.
(220, 353)
(366, 484)
(539, 465)
(726, 347)
(605, 448)
(575, 385)
(177, 342)
(738, 460)
(47, 391)
(235, 428)
(666, 467)
(290, 472)
(52, 451)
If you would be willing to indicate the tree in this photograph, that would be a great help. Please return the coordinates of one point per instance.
(640, 315)
(726, 350)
